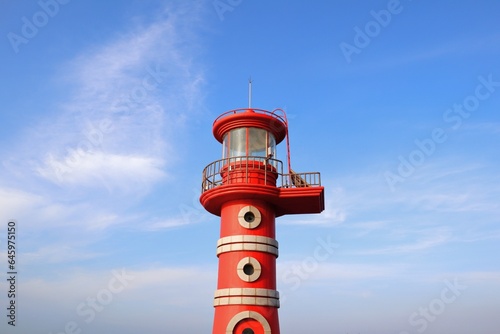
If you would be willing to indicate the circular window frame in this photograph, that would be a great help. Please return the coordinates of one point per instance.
(257, 269)
(248, 315)
(256, 213)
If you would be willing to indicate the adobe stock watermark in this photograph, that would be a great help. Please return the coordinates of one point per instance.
(96, 132)
(89, 308)
(193, 213)
(364, 36)
(421, 318)
(427, 146)
(297, 273)
(31, 26)
(223, 6)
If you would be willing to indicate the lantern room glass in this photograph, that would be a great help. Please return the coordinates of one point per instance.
(252, 142)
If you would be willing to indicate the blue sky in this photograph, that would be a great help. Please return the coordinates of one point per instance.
(106, 119)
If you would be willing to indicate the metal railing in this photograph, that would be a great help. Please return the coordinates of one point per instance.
(300, 180)
(260, 170)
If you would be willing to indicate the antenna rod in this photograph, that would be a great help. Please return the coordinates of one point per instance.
(250, 93)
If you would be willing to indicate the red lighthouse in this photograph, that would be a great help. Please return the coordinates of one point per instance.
(248, 190)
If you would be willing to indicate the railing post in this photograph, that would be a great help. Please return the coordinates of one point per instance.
(246, 170)
(265, 171)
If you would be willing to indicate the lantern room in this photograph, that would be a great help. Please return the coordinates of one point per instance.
(249, 138)
(250, 132)
(248, 142)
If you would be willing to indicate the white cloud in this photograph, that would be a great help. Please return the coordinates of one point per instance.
(37, 213)
(447, 185)
(116, 131)
(130, 98)
(482, 127)
(342, 271)
(329, 271)
(167, 223)
(335, 210)
(419, 245)
(15, 201)
(84, 167)
(112, 171)
(149, 297)
(480, 276)
(58, 253)
(424, 53)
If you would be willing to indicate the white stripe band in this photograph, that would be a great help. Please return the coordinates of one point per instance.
(247, 243)
(259, 292)
(257, 301)
(247, 296)
(247, 238)
(247, 247)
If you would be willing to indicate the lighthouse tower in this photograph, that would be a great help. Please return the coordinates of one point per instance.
(248, 189)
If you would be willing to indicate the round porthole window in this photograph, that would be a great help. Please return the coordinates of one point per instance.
(249, 269)
(249, 217)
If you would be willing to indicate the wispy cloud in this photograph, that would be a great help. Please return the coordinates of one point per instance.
(335, 211)
(364, 228)
(482, 127)
(83, 168)
(177, 289)
(126, 104)
(168, 223)
(451, 201)
(419, 53)
(58, 253)
(128, 97)
(449, 184)
(110, 170)
(423, 244)
(481, 276)
(116, 130)
(357, 271)
(473, 235)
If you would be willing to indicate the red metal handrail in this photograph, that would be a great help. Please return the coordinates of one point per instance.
(212, 174)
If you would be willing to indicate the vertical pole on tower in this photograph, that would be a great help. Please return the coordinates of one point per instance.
(250, 92)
